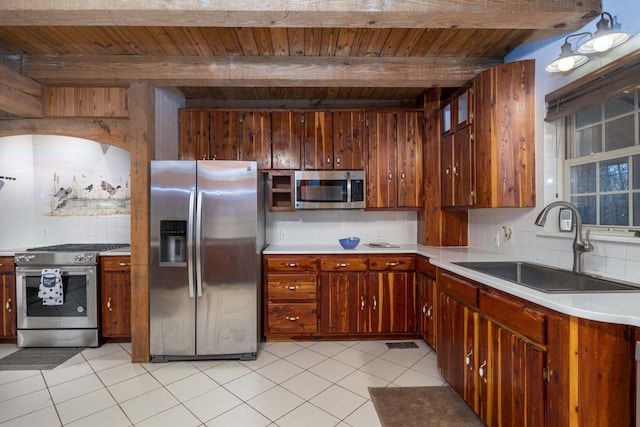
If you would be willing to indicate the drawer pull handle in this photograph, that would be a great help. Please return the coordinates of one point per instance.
(361, 303)
(292, 264)
(375, 303)
(424, 309)
(291, 288)
(124, 264)
(393, 264)
(467, 359)
(293, 319)
(342, 264)
(481, 371)
(8, 305)
(429, 311)
(109, 304)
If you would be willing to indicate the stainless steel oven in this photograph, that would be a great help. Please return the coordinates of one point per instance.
(70, 322)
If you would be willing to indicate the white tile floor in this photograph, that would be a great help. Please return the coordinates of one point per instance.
(290, 384)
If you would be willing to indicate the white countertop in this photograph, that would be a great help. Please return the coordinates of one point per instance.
(622, 307)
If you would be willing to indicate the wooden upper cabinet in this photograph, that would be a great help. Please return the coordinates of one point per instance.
(286, 135)
(348, 139)
(193, 134)
(223, 135)
(394, 160)
(488, 146)
(317, 141)
(504, 134)
(255, 137)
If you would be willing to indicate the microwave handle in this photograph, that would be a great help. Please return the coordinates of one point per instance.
(349, 187)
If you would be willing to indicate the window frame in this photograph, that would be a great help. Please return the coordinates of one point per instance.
(571, 132)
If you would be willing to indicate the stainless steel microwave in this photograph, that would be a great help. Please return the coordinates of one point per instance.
(330, 189)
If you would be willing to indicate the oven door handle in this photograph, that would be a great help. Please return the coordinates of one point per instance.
(192, 200)
(198, 238)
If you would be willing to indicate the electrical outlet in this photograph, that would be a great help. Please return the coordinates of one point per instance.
(496, 240)
(283, 235)
(379, 234)
(45, 232)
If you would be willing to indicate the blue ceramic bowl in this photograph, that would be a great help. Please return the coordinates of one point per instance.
(349, 242)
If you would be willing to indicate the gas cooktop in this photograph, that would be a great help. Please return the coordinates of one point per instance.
(79, 247)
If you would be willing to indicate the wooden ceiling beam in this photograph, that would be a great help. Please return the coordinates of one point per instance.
(512, 14)
(256, 71)
(19, 95)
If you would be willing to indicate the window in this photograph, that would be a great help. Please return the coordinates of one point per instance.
(603, 162)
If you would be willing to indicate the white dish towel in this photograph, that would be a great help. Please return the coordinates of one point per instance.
(50, 289)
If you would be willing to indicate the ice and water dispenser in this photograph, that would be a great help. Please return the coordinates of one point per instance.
(173, 242)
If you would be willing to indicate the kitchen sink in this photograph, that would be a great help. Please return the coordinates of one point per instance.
(548, 279)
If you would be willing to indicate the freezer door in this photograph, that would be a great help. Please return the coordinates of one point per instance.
(171, 304)
(227, 258)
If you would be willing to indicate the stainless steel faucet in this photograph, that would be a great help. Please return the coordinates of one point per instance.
(580, 246)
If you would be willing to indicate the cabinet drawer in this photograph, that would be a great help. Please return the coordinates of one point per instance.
(292, 287)
(6, 264)
(464, 291)
(115, 263)
(292, 318)
(402, 262)
(423, 266)
(292, 264)
(514, 315)
(341, 263)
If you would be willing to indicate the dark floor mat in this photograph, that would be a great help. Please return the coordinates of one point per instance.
(27, 359)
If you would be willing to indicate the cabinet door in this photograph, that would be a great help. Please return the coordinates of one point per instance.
(255, 138)
(457, 339)
(286, 132)
(463, 169)
(381, 160)
(410, 131)
(7, 298)
(511, 386)
(116, 297)
(193, 135)
(342, 302)
(391, 299)
(348, 135)
(224, 140)
(317, 141)
(446, 170)
(426, 308)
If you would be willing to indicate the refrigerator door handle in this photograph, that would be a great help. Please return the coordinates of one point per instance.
(198, 237)
(192, 199)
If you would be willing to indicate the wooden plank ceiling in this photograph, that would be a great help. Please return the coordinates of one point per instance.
(373, 50)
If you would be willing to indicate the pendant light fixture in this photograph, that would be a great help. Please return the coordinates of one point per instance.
(607, 36)
(568, 59)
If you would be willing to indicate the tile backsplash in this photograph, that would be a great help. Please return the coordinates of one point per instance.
(40, 163)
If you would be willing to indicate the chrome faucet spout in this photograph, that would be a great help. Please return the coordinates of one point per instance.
(580, 245)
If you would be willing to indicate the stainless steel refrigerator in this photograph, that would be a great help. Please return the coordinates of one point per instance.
(206, 237)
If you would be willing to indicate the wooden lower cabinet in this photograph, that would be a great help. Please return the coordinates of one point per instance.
(115, 291)
(342, 295)
(7, 298)
(519, 364)
(511, 387)
(426, 301)
(290, 296)
(357, 296)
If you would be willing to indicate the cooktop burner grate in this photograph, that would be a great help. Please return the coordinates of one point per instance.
(79, 247)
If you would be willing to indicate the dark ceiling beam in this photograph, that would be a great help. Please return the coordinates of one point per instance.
(19, 95)
(256, 71)
(512, 14)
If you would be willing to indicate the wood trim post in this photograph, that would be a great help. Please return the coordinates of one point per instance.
(142, 131)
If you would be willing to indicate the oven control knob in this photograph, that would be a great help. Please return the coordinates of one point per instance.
(83, 257)
(24, 258)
